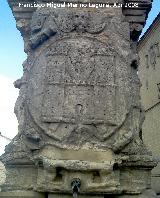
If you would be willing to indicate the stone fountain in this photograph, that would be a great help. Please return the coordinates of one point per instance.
(79, 109)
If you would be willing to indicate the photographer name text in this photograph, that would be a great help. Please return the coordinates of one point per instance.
(77, 5)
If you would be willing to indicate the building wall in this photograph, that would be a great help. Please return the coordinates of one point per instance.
(149, 73)
(2, 174)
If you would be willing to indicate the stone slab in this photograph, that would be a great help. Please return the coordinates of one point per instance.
(70, 196)
(81, 154)
(21, 194)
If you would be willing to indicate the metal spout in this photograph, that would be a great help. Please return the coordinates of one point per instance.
(75, 184)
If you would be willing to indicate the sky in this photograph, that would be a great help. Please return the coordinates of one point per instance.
(11, 58)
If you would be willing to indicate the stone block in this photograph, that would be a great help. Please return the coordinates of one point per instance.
(70, 196)
(21, 194)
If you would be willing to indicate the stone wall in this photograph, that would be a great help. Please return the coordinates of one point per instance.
(2, 173)
(149, 70)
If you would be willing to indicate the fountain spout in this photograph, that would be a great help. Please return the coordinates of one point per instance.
(75, 184)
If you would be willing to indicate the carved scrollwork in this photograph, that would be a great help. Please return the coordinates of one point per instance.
(46, 23)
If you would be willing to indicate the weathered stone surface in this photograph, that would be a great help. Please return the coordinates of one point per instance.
(78, 96)
(69, 196)
(81, 96)
(21, 194)
(146, 194)
(2, 174)
(79, 108)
